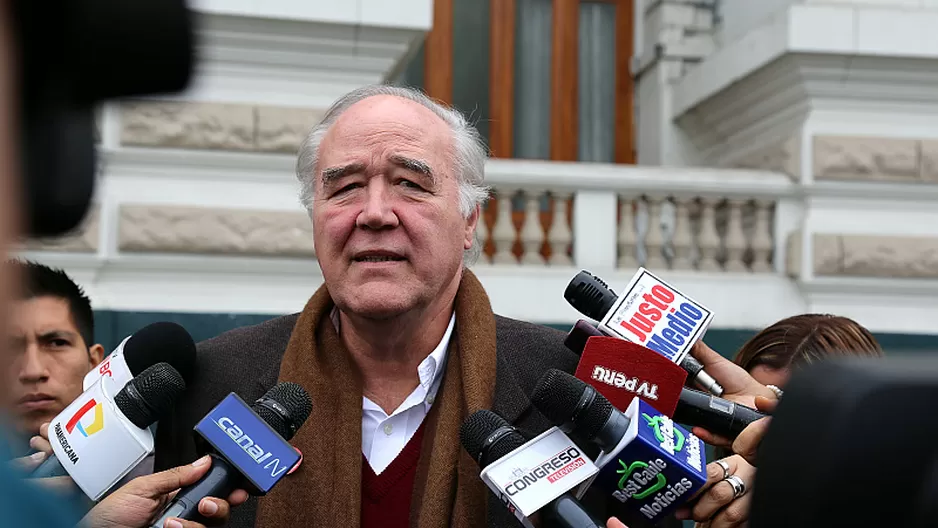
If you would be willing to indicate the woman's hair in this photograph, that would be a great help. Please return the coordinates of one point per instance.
(803, 339)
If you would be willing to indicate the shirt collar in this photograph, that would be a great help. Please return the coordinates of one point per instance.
(431, 369)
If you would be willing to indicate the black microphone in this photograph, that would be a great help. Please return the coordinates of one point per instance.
(715, 414)
(487, 437)
(98, 453)
(160, 342)
(248, 445)
(593, 298)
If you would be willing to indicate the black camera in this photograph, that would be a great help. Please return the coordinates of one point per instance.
(73, 55)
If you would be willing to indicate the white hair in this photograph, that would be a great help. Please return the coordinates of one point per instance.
(468, 154)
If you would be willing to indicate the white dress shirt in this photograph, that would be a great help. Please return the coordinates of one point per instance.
(384, 436)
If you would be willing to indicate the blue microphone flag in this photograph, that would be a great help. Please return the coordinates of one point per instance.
(247, 442)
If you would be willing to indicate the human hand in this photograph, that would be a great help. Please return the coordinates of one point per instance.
(25, 465)
(136, 504)
(749, 440)
(718, 504)
(615, 523)
(738, 385)
(43, 450)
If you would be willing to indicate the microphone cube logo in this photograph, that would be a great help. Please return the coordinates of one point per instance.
(657, 471)
(96, 424)
(86, 421)
(656, 315)
(538, 472)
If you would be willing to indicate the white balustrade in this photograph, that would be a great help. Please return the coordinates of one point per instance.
(627, 239)
(560, 236)
(503, 232)
(715, 221)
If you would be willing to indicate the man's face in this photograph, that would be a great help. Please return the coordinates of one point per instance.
(50, 359)
(388, 232)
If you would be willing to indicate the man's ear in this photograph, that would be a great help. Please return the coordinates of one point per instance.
(95, 354)
(471, 225)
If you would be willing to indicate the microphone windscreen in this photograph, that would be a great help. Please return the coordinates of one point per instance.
(294, 407)
(558, 396)
(475, 433)
(589, 295)
(150, 395)
(621, 370)
(161, 342)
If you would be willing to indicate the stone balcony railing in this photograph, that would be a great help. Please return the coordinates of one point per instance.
(581, 214)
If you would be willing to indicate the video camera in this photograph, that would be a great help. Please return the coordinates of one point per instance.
(71, 55)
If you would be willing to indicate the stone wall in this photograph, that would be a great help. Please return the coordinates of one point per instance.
(875, 256)
(177, 229)
(875, 159)
(217, 126)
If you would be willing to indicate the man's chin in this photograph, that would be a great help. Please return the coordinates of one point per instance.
(379, 300)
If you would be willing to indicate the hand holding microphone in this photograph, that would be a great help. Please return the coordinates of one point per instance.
(747, 443)
(135, 504)
(248, 447)
(25, 465)
(738, 385)
(725, 499)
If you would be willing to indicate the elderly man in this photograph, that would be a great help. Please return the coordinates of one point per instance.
(398, 346)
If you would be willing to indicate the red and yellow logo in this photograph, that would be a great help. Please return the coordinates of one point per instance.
(96, 425)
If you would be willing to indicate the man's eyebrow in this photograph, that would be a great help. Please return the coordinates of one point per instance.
(56, 334)
(333, 173)
(412, 164)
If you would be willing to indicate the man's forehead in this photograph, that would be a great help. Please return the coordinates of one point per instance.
(43, 314)
(390, 113)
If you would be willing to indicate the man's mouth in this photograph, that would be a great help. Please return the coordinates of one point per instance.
(378, 256)
(377, 259)
(35, 401)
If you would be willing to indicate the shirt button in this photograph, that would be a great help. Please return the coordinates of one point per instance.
(429, 400)
(388, 428)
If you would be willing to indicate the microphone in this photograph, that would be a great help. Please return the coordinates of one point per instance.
(157, 342)
(650, 465)
(651, 313)
(249, 447)
(524, 475)
(621, 370)
(104, 433)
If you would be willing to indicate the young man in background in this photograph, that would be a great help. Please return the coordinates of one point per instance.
(51, 346)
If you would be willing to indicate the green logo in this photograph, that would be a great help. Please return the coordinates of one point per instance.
(656, 424)
(626, 472)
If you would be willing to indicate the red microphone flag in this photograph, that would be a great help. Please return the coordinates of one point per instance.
(621, 370)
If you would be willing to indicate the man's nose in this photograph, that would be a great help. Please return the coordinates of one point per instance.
(34, 368)
(377, 211)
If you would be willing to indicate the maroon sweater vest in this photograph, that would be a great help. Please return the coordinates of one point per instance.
(386, 497)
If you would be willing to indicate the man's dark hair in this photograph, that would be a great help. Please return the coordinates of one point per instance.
(39, 280)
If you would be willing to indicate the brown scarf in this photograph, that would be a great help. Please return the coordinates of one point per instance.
(326, 489)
